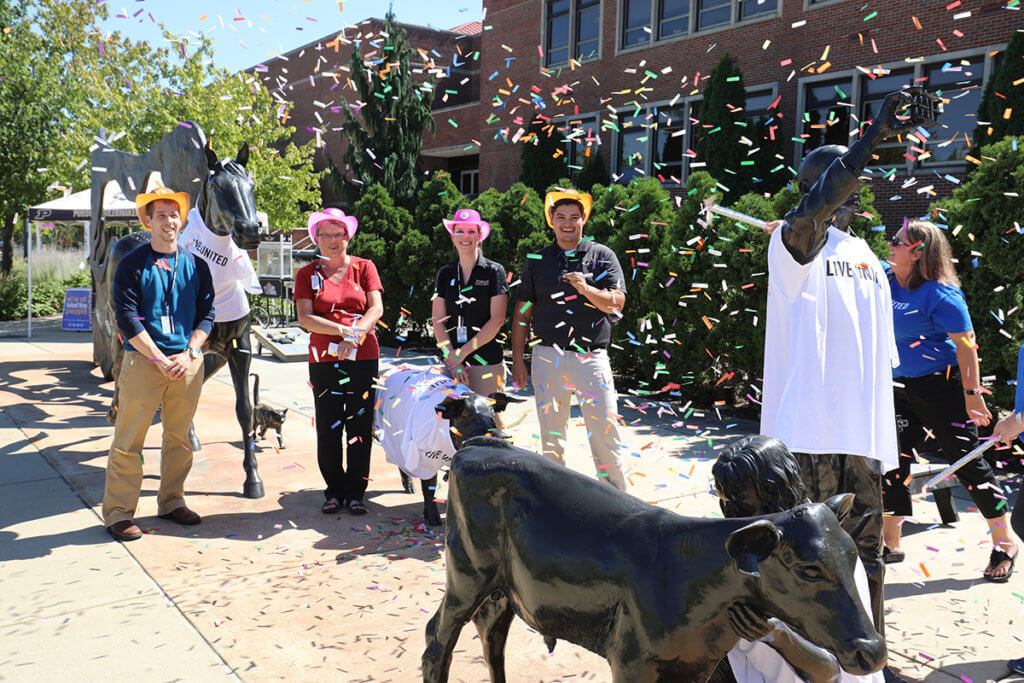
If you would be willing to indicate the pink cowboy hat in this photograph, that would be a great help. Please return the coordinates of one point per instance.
(351, 223)
(468, 216)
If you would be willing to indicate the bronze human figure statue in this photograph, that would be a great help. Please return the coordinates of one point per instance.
(829, 345)
(645, 588)
(221, 190)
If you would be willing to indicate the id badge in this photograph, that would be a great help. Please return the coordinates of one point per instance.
(165, 324)
(460, 334)
(317, 282)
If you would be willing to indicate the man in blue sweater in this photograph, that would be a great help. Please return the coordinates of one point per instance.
(163, 303)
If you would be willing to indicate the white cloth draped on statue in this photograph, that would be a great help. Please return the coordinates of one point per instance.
(230, 268)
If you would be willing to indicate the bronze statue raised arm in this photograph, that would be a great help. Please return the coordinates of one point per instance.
(829, 177)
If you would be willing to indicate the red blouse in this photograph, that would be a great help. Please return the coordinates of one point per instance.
(342, 303)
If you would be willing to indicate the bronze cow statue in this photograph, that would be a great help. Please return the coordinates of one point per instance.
(646, 588)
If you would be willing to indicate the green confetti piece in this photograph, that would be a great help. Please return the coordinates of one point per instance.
(871, 16)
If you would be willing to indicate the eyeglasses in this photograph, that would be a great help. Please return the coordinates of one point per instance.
(333, 236)
(895, 241)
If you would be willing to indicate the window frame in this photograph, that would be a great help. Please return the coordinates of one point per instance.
(569, 145)
(692, 31)
(918, 66)
(574, 6)
(648, 165)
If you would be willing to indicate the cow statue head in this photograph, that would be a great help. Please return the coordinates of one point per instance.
(803, 563)
(227, 201)
(472, 415)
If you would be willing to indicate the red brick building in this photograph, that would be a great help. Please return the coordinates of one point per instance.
(624, 79)
(633, 87)
(315, 77)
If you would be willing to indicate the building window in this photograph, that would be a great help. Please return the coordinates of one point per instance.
(558, 31)
(655, 142)
(959, 84)
(631, 160)
(827, 113)
(579, 20)
(582, 140)
(872, 91)
(636, 22)
(646, 21)
(711, 13)
(754, 8)
(588, 23)
(673, 18)
(469, 182)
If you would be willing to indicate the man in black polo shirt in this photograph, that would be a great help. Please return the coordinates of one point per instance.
(567, 293)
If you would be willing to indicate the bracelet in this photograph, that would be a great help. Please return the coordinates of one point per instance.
(972, 392)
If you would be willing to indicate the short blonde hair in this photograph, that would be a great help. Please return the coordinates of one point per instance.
(936, 262)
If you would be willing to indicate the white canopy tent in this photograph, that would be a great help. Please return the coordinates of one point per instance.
(76, 208)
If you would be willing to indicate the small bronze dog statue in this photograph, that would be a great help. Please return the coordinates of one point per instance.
(264, 417)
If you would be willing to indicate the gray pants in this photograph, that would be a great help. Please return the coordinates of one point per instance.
(556, 377)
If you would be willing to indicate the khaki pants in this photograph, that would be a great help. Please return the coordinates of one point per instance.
(142, 389)
(482, 379)
(556, 376)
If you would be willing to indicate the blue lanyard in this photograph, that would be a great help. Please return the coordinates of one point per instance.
(169, 293)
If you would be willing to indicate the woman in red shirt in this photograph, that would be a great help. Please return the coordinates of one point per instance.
(338, 298)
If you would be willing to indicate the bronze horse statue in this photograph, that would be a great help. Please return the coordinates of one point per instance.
(221, 190)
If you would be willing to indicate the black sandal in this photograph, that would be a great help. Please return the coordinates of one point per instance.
(356, 507)
(893, 556)
(997, 558)
(330, 506)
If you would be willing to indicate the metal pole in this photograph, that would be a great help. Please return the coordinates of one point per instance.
(28, 258)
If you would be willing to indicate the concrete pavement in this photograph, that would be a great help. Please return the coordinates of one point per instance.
(271, 588)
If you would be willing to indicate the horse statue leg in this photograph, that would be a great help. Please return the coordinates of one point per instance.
(229, 343)
(239, 359)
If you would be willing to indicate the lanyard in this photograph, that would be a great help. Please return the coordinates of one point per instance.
(168, 291)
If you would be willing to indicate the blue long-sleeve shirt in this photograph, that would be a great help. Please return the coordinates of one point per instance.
(1018, 402)
(149, 286)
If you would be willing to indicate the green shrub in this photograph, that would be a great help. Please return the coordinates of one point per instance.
(987, 241)
(47, 290)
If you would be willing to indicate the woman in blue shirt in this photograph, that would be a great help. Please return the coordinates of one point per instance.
(938, 385)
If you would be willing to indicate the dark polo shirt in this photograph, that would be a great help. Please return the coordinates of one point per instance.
(561, 315)
(472, 301)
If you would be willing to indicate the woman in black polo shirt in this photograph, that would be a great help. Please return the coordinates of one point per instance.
(470, 300)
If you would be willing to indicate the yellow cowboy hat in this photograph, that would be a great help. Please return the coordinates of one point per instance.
(553, 197)
(143, 199)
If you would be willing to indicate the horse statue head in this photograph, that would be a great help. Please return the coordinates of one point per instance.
(226, 201)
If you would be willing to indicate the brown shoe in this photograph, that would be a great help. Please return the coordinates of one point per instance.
(182, 516)
(125, 530)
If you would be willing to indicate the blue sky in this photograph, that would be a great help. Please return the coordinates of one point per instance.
(250, 32)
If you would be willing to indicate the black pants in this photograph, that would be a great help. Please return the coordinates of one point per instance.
(935, 403)
(344, 396)
(829, 475)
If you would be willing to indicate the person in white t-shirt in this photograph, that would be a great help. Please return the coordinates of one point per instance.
(759, 476)
(829, 345)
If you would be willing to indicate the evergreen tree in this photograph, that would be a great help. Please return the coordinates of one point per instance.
(384, 128)
(1001, 111)
(543, 158)
(723, 123)
(594, 172)
(769, 166)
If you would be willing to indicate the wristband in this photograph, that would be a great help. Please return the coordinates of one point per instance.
(972, 392)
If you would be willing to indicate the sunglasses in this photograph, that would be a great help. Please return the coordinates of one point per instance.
(895, 241)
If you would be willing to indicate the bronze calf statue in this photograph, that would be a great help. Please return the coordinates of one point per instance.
(645, 588)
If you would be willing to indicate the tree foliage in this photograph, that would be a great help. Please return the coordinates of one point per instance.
(1002, 103)
(594, 172)
(543, 159)
(723, 124)
(384, 127)
(984, 217)
(63, 79)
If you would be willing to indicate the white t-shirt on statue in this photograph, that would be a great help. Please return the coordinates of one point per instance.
(414, 437)
(759, 662)
(829, 352)
(230, 268)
